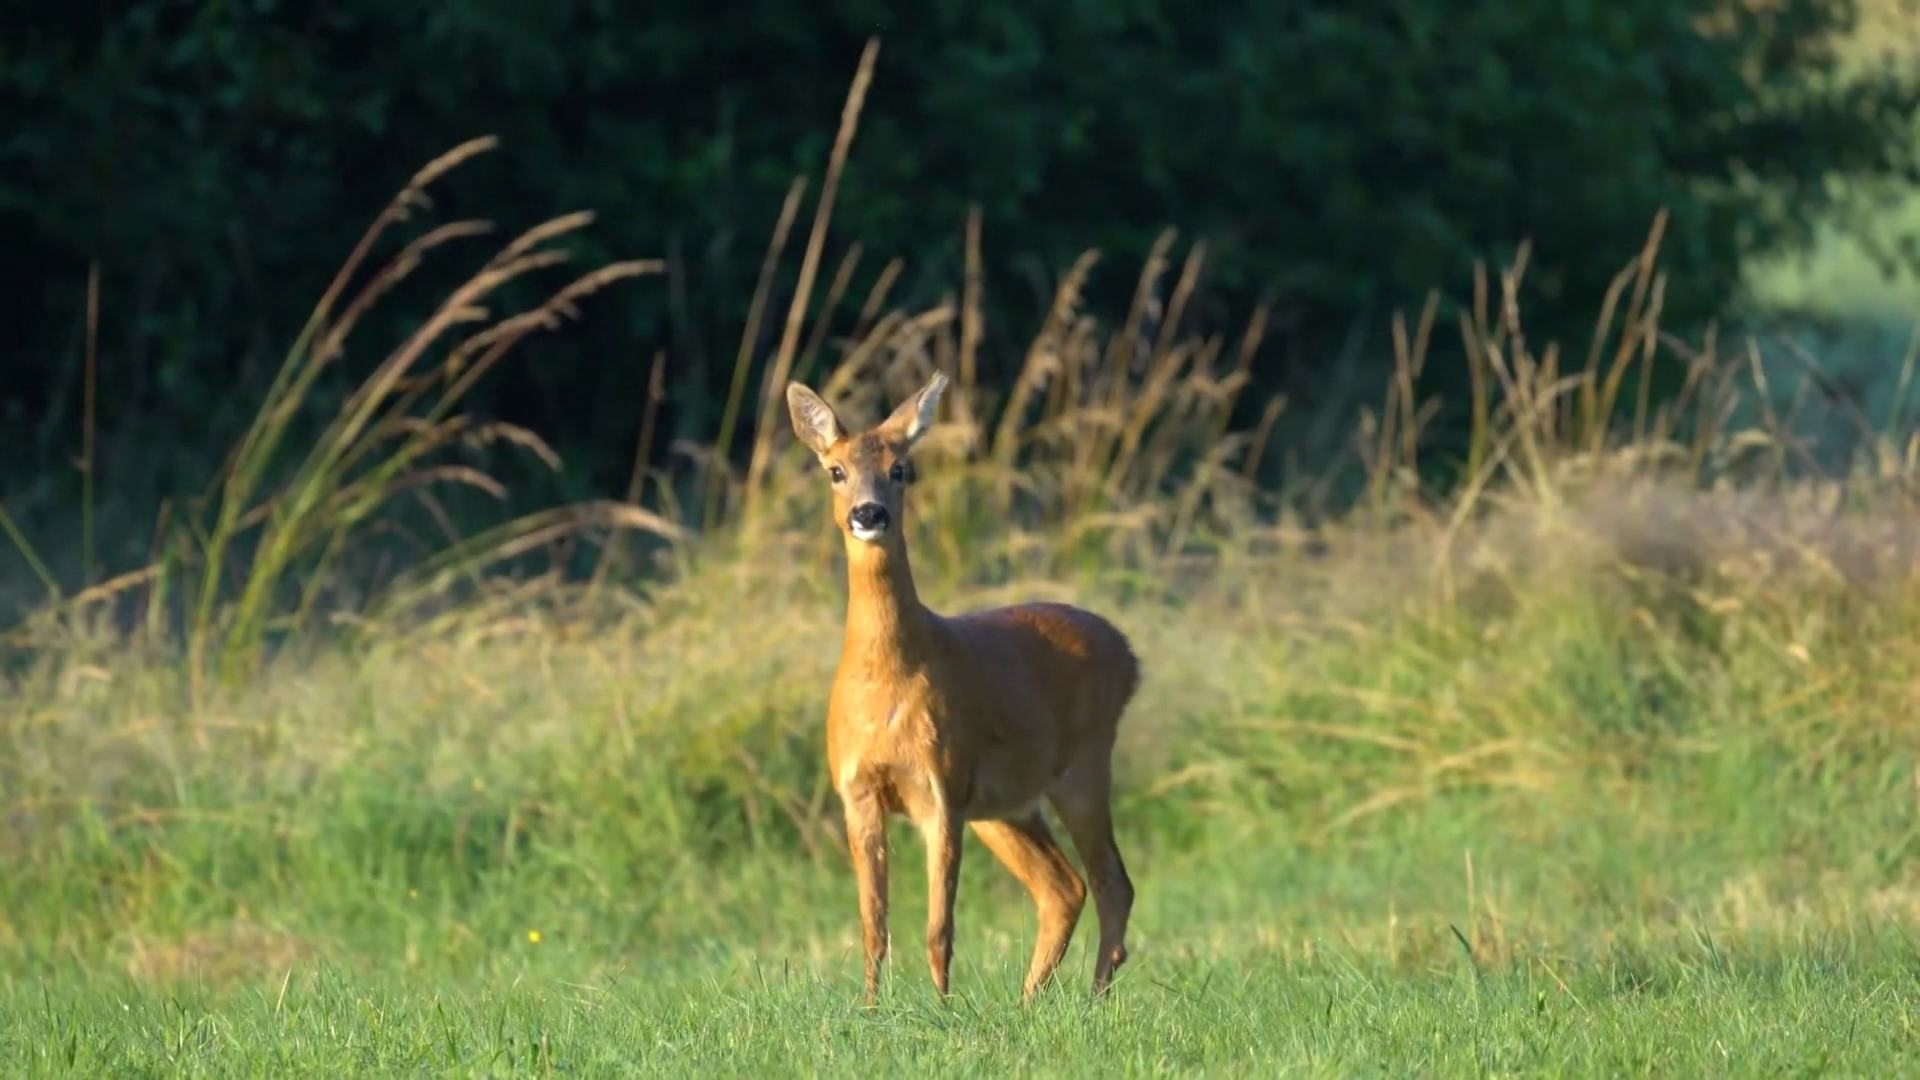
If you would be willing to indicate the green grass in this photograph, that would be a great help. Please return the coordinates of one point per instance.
(1616, 852)
(1735, 897)
(1601, 794)
(1824, 1007)
(1602, 764)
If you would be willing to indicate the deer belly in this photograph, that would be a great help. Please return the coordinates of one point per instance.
(1007, 786)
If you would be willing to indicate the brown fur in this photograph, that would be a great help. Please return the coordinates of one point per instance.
(971, 719)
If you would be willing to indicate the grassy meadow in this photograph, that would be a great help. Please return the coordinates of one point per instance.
(1601, 764)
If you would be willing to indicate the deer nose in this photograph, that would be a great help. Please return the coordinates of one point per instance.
(869, 519)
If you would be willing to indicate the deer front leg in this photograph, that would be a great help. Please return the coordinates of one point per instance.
(942, 833)
(867, 839)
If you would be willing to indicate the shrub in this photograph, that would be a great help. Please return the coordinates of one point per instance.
(1341, 159)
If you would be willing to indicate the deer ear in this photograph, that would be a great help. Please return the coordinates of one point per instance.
(813, 419)
(915, 415)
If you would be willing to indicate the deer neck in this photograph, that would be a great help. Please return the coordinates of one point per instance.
(886, 623)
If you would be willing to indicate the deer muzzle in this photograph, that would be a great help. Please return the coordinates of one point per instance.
(868, 521)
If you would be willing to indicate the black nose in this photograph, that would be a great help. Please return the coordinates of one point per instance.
(868, 517)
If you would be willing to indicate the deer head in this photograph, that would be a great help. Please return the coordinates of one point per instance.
(869, 470)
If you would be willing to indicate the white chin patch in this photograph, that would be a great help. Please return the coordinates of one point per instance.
(867, 536)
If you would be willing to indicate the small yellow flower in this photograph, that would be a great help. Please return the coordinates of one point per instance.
(413, 894)
(533, 936)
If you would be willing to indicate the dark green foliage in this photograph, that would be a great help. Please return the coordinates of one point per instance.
(1342, 158)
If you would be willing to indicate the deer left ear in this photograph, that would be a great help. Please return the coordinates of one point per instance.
(813, 419)
(915, 415)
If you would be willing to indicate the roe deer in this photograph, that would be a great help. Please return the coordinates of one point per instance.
(974, 718)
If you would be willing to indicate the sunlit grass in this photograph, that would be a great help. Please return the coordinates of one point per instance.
(1599, 762)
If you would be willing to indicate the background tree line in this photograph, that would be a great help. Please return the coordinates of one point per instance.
(1340, 159)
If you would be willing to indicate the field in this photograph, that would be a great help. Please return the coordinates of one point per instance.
(1600, 764)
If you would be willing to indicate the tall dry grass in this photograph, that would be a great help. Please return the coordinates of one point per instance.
(1621, 603)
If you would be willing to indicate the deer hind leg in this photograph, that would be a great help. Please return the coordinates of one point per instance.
(867, 840)
(1084, 801)
(1027, 847)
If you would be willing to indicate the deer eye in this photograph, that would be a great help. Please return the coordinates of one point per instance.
(836, 474)
(898, 474)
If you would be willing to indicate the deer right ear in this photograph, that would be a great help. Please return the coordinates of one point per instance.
(813, 419)
(916, 414)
